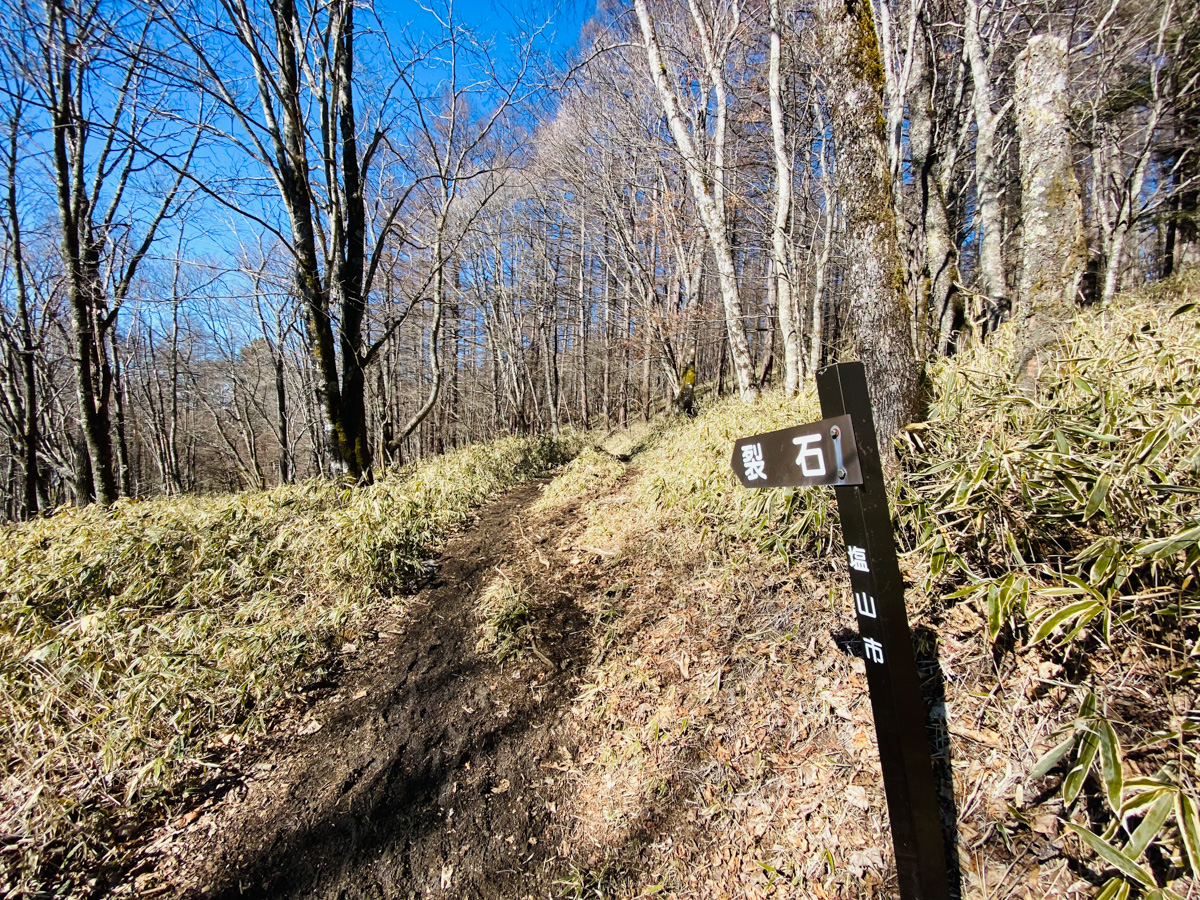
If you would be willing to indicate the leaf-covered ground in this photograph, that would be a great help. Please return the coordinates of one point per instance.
(639, 678)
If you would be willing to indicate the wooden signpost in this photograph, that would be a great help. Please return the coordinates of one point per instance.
(842, 451)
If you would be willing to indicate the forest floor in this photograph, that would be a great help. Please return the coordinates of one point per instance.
(420, 766)
(658, 731)
(635, 677)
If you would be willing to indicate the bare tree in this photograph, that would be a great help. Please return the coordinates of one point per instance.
(707, 177)
(781, 258)
(1054, 248)
(88, 78)
(20, 396)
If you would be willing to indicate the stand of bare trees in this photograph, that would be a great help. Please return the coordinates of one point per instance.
(247, 242)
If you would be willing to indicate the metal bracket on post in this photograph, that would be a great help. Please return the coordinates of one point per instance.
(835, 434)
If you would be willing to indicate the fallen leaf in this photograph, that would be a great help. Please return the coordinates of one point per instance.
(1047, 824)
(857, 796)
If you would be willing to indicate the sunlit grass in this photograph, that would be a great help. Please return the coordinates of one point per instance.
(1066, 522)
(1086, 494)
(137, 639)
(591, 473)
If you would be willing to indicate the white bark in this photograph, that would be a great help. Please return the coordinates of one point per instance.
(780, 258)
(987, 179)
(705, 192)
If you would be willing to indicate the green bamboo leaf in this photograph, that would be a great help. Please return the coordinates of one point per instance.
(981, 472)
(1185, 308)
(1097, 497)
(1050, 759)
(937, 561)
(1074, 489)
(1150, 826)
(1087, 708)
(1164, 547)
(1113, 856)
(962, 493)
(1177, 488)
(1073, 783)
(1150, 786)
(1189, 827)
(994, 617)
(1110, 763)
(1106, 561)
(1162, 894)
(1081, 608)
(1097, 436)
(1080, 623)
(1115, 888)
(1152, 444)
(1057, 591)
(1082, 585)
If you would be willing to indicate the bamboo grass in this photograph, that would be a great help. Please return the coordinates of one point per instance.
(136, 641)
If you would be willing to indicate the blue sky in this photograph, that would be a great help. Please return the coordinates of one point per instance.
(507, 17)
(215, 232)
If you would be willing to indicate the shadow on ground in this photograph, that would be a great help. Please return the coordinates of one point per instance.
(427, 768)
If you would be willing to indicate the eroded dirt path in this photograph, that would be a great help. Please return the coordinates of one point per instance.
(423, 767)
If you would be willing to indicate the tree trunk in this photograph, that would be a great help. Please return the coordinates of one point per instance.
(647, 352)
(711, 214)
(584, 317)
(285, 468)
(118, 390)
(78, 249)
(987, 178)
(780, 258)
(941, 255)
(29, 438)
(817, 327)
(626, 359)
(606, 390)
(874, 270)
(1055, 250)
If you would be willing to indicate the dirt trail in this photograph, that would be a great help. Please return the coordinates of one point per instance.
(422, 767)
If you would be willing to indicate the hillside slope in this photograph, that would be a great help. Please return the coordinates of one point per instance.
(143, 646)
(638, 677)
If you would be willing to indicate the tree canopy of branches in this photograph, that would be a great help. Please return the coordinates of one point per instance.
(248, 242)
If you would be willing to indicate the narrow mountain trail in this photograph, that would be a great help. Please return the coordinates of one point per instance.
(671, 714)
(422, 766)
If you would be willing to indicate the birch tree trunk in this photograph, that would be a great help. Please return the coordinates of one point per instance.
(704, 190)
(1055, 250)
(780, 258)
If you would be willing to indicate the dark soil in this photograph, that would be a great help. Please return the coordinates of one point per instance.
(421, 767)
